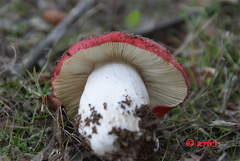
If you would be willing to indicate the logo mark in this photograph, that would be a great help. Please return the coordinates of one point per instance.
(190, 142)
(210, 143)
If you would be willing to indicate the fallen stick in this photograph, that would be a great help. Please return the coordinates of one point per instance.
(170, 24)
(163, 26)
(58, 32)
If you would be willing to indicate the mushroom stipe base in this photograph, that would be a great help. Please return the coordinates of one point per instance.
(141, 148)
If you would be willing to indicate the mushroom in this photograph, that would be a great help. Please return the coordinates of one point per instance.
(117, 83)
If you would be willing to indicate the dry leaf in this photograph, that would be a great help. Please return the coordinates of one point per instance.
(53, 17)
(23, 159)
(226, 112)
(233, 106)
(195, 74)
(5, 123)
(209, 31)
(42, 121)
(42, 78)
(222, 123)
(51, 102)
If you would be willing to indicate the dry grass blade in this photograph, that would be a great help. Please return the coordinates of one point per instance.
(48, 148)
(192, 35)
(66, 152)
(56, 126)
(193, 157)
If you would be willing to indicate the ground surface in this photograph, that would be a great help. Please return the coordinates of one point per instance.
(202, 35)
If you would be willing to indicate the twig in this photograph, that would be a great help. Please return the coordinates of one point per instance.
(45, 65)
(91, 12)
(58, 32)
(169, 24)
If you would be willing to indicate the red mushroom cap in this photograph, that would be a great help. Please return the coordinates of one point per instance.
(140, 44)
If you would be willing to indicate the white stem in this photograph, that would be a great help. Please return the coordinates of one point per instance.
(114, 89)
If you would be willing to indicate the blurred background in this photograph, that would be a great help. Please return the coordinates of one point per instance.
(203, 35)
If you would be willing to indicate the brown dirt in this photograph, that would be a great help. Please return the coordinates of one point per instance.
(95, 117)
(87, 121)
(138, 147)
(105, 105)
(123, 107)
(94, 129)
(146, 115)
(127, 101)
